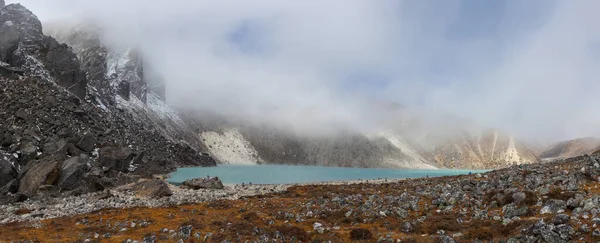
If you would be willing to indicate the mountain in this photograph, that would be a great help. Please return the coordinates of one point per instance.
(487, 149)
(72, 123)
(77, 107)
(571, 148)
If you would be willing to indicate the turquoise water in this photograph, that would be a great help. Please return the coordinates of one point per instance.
(285, 174)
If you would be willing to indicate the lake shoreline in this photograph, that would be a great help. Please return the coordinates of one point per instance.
(123, 197)
(300, 174)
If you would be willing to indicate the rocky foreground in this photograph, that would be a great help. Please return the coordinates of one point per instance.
(551, 202)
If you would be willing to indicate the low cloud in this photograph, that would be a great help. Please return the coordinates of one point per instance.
(528, 68)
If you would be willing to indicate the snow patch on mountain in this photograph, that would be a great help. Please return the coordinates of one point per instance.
(230, 147)
(163, 110)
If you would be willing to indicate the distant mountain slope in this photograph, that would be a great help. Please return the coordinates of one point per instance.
(118, 75)
(488, 149)
(571, 148)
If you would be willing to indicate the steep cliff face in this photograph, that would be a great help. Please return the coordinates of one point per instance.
(59, 133)
(24, 45)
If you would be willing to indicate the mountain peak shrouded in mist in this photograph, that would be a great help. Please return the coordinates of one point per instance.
(507, 65)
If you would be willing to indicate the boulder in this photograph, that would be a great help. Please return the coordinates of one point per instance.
(41, 172)
(28, 152)
(57, 147)
(152, 188)
(71, 173)
(10, 187)
(204, 183)
(117, 158)
(87, 142)
(553, 206)
(8, 172)
(2, 4)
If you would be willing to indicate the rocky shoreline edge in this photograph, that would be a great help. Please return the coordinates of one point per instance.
(126, 196)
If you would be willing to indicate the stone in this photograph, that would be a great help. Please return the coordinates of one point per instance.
(152, 189)
(406, 227)
(42, 172)
(71, 173)
(28, 152)
(8, 172)
(117, 158)
(185, 231)
(596, 233)
(56, 147)
(518, 197)
(561, 219)
(584, 228)
(553, 206)
(204, 183)
(87, 142)
(511, 211)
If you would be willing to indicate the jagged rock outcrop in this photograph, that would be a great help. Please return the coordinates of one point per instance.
(57, 139)
(24, 45)
(111, 69)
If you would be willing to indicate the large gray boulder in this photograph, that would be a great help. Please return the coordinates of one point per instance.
(71, 173)
(2, 3)
(152, 188)
(117, 158)
(204, 183)
(40, 172)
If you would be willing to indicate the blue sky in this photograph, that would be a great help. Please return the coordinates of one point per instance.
(528, 67)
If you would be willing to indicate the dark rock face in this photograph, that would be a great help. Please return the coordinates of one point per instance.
(152, 188)
(118, 158)
(38, 54)
(7, 171)
(204, 183)
(87, 142)
(43, 124)
(41, 172)
(71, 173)
(63, 65)
(9, 40)
(2, 3)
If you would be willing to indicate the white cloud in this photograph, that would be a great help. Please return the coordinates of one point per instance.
(536, 81)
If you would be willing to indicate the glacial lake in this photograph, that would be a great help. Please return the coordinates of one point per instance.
(289, 174)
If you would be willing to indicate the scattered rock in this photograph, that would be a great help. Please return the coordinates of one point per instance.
(561, 219)
(71, 173)
(41, 172)
(87, 143)
(118, 158)
(204, 183)
(152, 188)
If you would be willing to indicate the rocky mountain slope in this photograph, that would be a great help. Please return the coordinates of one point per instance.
(63, 123)
(77, 107)
(488, 149)
(571, 148)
